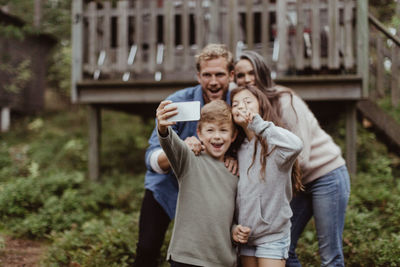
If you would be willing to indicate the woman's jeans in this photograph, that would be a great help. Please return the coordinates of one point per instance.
(326, 199)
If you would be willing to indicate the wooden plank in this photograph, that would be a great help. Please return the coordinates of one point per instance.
(362, 43)
(380, 70)
(138, 37)
(395, 66)
(348, 28)
(375, 22)
(233, 25)
(333, 38)
(107, 35)
(94, 142)
(92, 51)
(185, 35)
(351, 137)
(123, 49)
(299, 36)
(265, 34)
(214, 21)
(249, 24)
(77, 47)
(394, 87)
(199, 25)
(282, 35)
(340, 87)
(315, 36)
(152, 37)
(383, 123)
(169, 35)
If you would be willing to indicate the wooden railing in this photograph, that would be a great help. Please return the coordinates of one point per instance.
(157, 39)
(385, 62)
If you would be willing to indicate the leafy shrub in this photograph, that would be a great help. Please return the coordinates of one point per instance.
(105, 242)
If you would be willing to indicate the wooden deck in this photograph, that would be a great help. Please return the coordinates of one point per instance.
(129, 55)
(316, 88)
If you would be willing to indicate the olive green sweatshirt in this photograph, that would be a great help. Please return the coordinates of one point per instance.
(205, 209)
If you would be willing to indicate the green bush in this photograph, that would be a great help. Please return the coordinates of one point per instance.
(99, 242)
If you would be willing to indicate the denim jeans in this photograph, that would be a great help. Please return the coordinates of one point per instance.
(326, 199)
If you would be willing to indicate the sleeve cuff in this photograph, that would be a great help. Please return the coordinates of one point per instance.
(154, 162)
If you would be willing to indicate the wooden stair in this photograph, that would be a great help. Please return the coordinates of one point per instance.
(383, 124)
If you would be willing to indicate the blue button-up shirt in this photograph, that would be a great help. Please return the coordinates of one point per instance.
(165, 186)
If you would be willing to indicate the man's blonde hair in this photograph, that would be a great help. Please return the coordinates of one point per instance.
(212, 51)
(217, 111)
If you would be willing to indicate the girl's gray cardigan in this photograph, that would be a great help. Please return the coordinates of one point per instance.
(264, 205)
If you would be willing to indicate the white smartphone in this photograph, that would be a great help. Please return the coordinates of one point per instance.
(187, 111)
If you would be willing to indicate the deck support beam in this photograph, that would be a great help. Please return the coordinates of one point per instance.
(94, 141)
(351, 137)
(5, 119)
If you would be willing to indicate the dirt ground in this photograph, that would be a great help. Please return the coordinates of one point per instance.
(21, 253)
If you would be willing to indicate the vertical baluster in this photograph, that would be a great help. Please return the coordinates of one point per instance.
(107, 35)
(315, 36)
(122, 35)
(282, 27)
(169, 35)
(249, 24)
(395, 75)
(92, 19)
(333, 38)
(185, 34)
(380, 70)
(265, 23)
(199, 25)
(152, 37)
(138, 37)
(348, 27)
(233, 25)
(214, 21)
(299, 36)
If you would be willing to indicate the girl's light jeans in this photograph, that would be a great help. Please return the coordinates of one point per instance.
(326, 199)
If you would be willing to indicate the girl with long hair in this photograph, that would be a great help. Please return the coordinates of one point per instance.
(266, 154)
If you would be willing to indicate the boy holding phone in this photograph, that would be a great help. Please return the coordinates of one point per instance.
(207, 190)
(214, 73)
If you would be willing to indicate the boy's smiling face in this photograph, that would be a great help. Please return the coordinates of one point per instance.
(216, 138)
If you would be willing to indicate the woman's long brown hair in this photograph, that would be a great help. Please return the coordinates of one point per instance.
(268, 113)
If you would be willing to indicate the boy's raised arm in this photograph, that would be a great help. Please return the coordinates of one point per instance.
(174, 148)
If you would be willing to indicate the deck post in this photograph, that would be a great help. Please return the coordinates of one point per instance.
(94, 141)
(77, 47)
(5, 119)
(362, 44)
(351, 137)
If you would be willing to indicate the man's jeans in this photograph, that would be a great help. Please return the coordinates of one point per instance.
(326, 199)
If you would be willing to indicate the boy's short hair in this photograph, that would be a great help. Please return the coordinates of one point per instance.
(217, 111)
(212, 51)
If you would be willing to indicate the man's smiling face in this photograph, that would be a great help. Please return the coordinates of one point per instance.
(214, 78)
